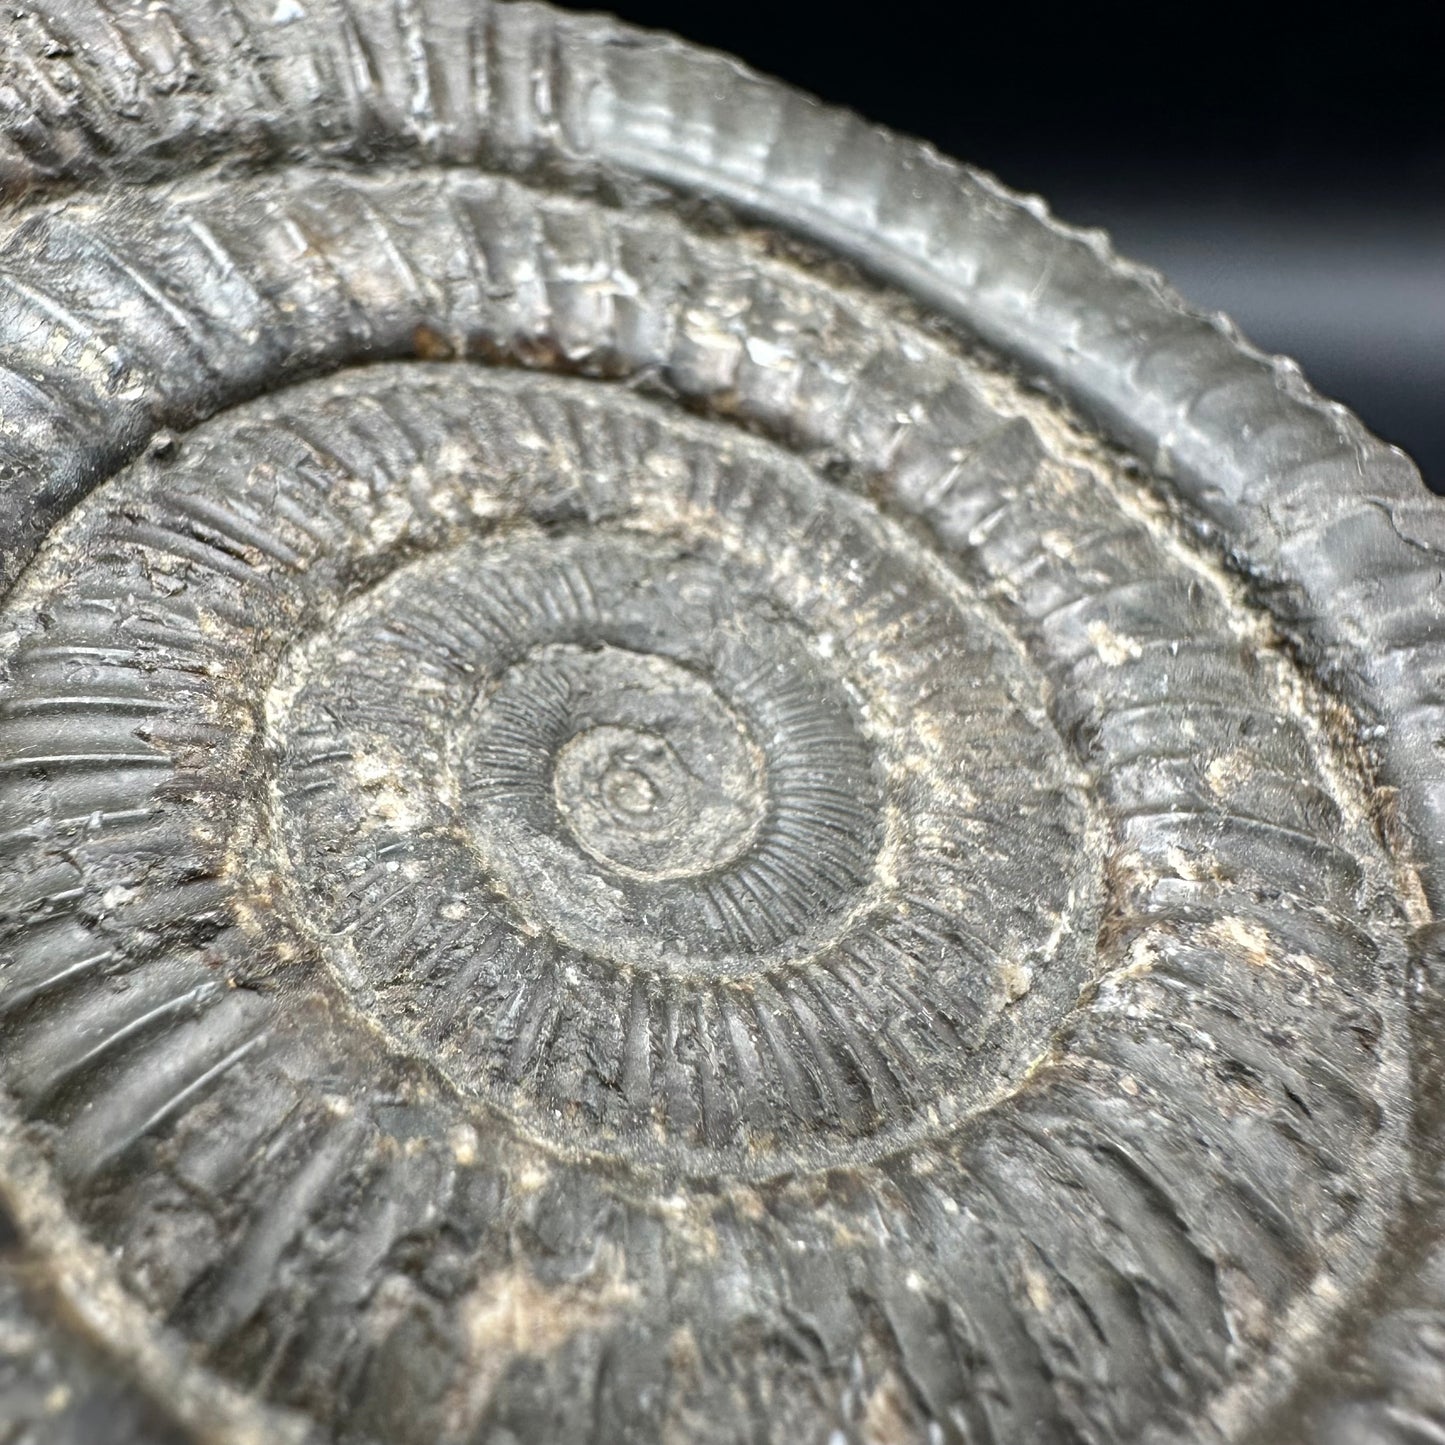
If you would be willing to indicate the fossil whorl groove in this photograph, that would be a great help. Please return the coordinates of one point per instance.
(532, 913)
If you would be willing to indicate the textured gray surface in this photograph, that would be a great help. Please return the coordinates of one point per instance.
(672, 772)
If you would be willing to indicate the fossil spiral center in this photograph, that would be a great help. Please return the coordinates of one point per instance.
(660, 779)
(588, 754)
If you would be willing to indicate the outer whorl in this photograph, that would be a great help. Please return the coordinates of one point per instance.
(671, 772)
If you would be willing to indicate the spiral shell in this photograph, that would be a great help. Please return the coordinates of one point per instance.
(670, 772)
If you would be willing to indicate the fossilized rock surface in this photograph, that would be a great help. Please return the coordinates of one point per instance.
(670, 772)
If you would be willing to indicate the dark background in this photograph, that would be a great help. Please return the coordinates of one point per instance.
(1285, 164)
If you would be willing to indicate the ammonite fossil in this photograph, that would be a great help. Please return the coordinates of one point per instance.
(670, 772)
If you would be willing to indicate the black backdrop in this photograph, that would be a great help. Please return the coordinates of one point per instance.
(1283, 163)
